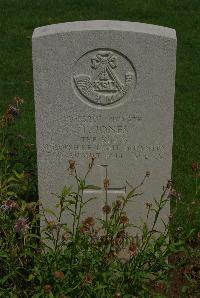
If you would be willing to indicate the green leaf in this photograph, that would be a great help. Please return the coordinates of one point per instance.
(184, 290)
(2, 157)
(31, 277)
(38, 295)
(66, 207)
(145, 231)
(11, 193)
(89, 201)
(55, 195)
(82, 184)
(3, 254)
(66, 191)
(5, 278)
(130, 194)
(33, 236)
(18, 175)
(70, 202)
(12, 179)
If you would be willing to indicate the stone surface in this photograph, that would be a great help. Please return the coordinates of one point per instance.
(105, 88)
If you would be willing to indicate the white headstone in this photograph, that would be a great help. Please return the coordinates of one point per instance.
(105, 88)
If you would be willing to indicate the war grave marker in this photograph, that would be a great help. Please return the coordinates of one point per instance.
(105, 89)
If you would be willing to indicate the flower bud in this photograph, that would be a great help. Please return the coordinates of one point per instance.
(59, 275)
(147, 173)
(71, 164)
(47, 289)
(89, 221)
(106, 209)
(106, 183)
(124, 219)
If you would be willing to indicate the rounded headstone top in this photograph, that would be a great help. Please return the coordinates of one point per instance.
(104, 25)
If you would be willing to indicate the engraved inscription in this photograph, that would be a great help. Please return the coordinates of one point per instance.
(104, 77)
(107, 137)
(110, 151)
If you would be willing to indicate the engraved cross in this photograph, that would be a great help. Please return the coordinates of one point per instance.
(113, 190)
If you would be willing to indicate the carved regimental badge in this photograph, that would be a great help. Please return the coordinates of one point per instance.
(104, 77)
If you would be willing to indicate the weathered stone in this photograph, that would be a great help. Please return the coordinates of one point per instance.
(105, 88)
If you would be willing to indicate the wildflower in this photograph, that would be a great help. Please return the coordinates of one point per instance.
(118, 204)
(18, 101)
(173, 194)
(65, 236)
(132, 249)
(93, 158)
(47, 289)
(89, 221)
(106, 183)
(30, 207)
(148, 205)
(106, 209)
(86, 280)
(123, 255)
(49, 219)
(186, 270)
(121, 235)
(169, 184)
(124, 219)
(117, 295)
(8, 118)
(92, 162)
(71, 164)
(58, 274)
(20, 137)
(105, 240)
(94, 235)
(9, 205)
(170, 216)
(110, 256)
(84, 229)
(13, 110)
(21, 225)
(147, 173)
(194, 166)
(29, 146)
(159, 287)
(29, 174)
(179, 229)
(51, 223)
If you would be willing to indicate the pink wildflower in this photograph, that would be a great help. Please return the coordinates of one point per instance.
(173, 194)
(13, 110)
(51, 224)
(9, 205)
(21, 225)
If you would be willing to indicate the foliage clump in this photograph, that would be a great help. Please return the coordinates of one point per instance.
(91, 257)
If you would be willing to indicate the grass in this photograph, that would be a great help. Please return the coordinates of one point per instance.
(20, 17)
